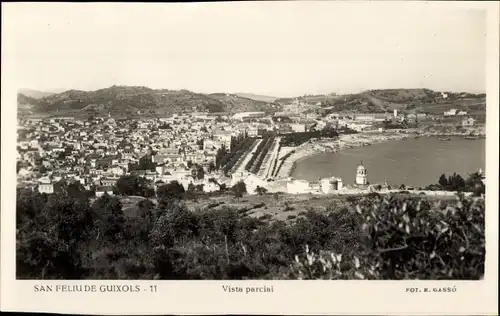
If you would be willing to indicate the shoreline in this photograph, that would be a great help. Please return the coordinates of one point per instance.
(315, 148)
(309, 150)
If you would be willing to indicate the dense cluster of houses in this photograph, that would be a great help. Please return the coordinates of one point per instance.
(96, 152)
(466, 119)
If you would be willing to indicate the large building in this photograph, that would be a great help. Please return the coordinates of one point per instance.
(50, 187)
(246, 115)
(224, 137)
(329, 185)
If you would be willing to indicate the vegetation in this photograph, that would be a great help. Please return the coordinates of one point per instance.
(297, 139)
(260, 190)
(197, 172)
(407, 239)
(219, 156)
(281, 161)
(393, 237)
(230, 159)
(145, 163)
(263, 153)
(169, 191)
(455, 182)
(134, 185)
(257, 153)
(123, 101)
(239, 189)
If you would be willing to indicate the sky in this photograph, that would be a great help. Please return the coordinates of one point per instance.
(271, 48)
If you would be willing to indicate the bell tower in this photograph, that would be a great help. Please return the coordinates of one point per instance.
(361, 175)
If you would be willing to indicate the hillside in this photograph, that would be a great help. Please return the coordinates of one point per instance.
(26, 105)
(129, 101)
(387, 100)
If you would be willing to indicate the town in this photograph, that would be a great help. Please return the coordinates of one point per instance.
(210, 152)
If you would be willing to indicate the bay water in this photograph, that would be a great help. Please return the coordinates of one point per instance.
(414, 162)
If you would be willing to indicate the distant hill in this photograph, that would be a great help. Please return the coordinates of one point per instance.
(36, 94)
(257, 97)
(428, 101)
(387, 100)
(132, 100)
(235, 103)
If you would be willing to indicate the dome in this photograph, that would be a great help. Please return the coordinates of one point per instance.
(361, 167)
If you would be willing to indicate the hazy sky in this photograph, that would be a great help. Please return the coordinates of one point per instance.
(273, 48)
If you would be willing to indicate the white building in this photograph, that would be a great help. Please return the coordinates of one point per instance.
(365, 118)
(253, 132)
(298, 128)
(161, 169)
(117, 170)
(210, 144)
(329, 185)
(46, 188)
(359, 127)
(100, 191)
(361, 175)
(224, 137)
(243, 115)
(451, 112)
(45, 180)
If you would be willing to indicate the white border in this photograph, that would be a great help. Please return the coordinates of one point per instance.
(289, 297)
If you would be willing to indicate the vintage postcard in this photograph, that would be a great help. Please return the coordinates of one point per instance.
(281, 157)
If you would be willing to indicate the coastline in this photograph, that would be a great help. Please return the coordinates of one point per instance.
(317, 147)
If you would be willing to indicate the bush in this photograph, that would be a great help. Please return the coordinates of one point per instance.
(404, 239)
(133, 185)
(239, 189)
(171, 191)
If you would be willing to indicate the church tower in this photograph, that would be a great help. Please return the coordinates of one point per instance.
(361, 177)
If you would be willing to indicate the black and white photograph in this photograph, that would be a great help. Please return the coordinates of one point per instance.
(301, 141)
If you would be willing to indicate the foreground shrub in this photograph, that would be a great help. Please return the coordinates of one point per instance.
(404, 239)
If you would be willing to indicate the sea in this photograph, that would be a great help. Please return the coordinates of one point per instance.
(414, 162)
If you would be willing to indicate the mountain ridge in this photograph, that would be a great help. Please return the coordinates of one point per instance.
(141, 100)
(132, 100)
(388, 100)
